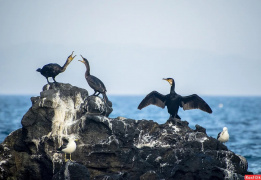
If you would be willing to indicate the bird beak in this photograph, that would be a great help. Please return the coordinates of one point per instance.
(81, 60)
(71, 57)
(169, 80)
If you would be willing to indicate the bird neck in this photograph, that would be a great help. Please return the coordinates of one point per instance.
(87, 73)
(172, 88)
(66, 65)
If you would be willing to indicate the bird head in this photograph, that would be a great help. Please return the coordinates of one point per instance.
(73, 138)
(170, 80)
(71, 57)
(224, 128)
(84, 60)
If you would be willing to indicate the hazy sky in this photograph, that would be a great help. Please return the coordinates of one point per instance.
(209, 47)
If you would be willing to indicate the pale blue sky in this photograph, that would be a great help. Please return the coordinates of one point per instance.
(209, 47)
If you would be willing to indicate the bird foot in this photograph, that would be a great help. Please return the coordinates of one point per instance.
(171, 120)
(175, 121)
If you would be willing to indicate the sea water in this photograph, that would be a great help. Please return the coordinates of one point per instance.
(241, 115)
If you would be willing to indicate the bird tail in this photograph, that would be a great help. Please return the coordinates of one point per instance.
(59, 150)
(38, 70)
(106, 100)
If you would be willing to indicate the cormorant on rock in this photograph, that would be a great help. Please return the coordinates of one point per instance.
(223, 136)
(53, 69)
(95, 83)
(173, 101)
(68, 147)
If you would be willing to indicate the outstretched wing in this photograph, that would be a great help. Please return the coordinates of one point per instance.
(154, 98)
(194, 102)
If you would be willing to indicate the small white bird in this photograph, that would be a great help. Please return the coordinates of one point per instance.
(68, 147)
(223, 136)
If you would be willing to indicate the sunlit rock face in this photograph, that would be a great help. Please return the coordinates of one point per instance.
(109, 148)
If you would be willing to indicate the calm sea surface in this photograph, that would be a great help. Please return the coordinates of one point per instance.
(241, 115)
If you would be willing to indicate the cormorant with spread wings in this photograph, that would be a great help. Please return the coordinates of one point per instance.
(173, 101)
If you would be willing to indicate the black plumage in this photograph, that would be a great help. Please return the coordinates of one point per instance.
(95, 83)
(53, 69)
(64, 145)
(219, 134)
(173, 101)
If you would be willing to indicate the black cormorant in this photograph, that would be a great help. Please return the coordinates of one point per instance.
(53, 69)
(173, 101)
(95, 83)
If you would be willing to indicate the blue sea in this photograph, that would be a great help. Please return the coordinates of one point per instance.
(241, 115)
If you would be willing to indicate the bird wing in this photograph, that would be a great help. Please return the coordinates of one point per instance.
(219, 134)
(65, 143)
(51, 70)
(154, 98)
(96, 84)
(194, 102)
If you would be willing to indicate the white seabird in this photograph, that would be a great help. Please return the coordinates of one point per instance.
(68, 147)
(223, 136)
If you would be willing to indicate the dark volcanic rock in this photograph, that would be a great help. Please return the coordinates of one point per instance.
(109, 148)
(72, 171)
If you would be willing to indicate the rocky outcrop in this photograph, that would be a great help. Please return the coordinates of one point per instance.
(109, 148)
